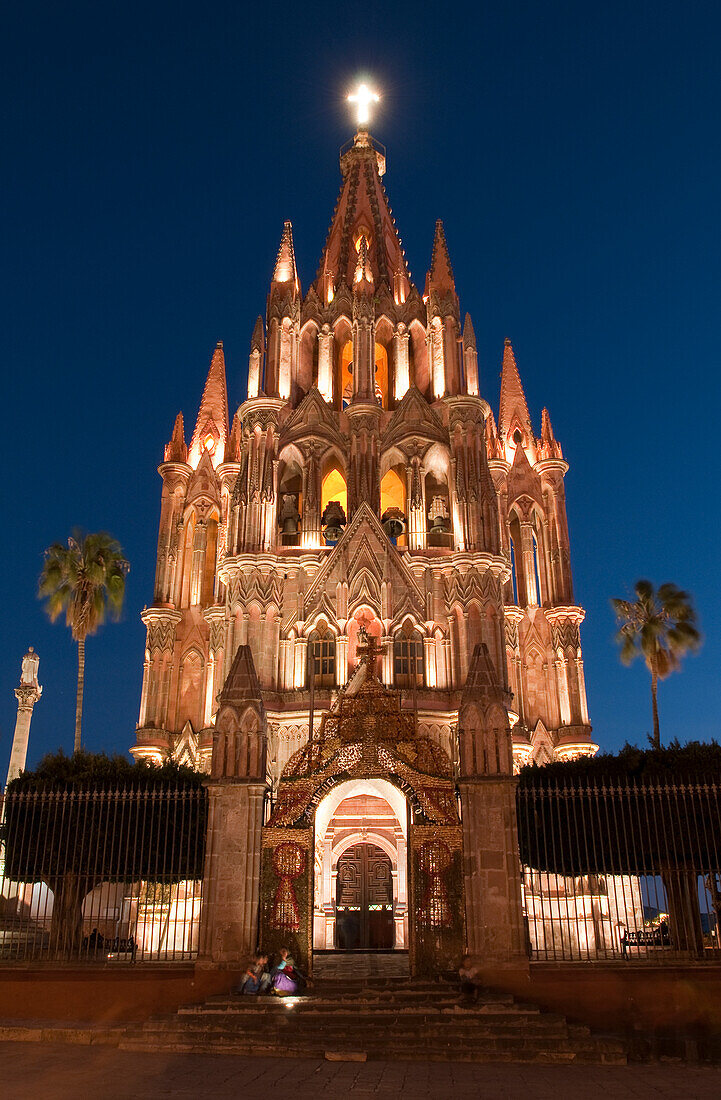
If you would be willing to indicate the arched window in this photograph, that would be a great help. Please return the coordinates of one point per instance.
(408, 658)
(514, 575)
(519, 579)
(290, 503)
(535, 569)
(321, 658)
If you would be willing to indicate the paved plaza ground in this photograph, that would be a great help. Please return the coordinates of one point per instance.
(58, 1071)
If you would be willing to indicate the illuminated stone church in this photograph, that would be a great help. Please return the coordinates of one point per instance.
(362, 541)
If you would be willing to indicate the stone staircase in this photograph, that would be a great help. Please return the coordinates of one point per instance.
(356, 1015)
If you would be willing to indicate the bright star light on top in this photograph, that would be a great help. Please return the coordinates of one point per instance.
(362, 99)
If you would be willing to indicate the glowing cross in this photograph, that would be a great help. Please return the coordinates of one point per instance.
(363, 99)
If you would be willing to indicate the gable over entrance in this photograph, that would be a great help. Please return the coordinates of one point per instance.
(367, 744)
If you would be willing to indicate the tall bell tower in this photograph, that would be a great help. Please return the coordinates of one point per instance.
(363, 484)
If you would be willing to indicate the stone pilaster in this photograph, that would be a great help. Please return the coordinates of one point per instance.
(236, 791)
(494, 919)
(491, 864)
(229, 929)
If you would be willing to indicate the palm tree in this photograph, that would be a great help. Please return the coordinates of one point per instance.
(86, 580)
(659, 626)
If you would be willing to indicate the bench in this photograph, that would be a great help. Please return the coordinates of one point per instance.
(121, 947)
(647, 937)
(117, 948)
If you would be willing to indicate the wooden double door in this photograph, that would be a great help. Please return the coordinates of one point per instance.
(364, 900)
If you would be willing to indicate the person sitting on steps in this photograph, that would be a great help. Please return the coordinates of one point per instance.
(286, 978)
(257, 978)
(470, 982)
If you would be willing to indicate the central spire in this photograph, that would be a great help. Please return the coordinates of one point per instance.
(362, 219)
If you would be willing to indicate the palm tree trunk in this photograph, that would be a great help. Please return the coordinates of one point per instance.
(79, 696)
(654, 699)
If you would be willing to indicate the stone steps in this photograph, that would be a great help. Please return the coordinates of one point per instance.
(594, 1053)
(384, 1018)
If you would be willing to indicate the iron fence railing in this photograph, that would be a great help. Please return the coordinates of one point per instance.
(620, 870)
(102, 876)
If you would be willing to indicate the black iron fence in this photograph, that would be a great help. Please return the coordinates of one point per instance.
(620, 870)
(102, 875)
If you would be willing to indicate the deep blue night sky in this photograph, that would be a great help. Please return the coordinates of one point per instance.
(150, 154)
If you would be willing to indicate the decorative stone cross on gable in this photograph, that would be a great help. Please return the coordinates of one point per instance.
(367, 647)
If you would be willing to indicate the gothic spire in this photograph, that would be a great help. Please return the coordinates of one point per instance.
(513, 412)
(176, 450)
(440, 276)
(362, 210)
(211, 427)
(285, 270)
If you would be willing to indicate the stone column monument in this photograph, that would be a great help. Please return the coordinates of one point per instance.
(27, 693)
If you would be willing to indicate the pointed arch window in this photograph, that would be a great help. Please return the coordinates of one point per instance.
(197, 568)
(408, 658)
(514, 574)
(321, 658)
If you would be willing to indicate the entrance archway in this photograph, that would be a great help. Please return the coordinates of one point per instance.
(361, 872)
(364, 899)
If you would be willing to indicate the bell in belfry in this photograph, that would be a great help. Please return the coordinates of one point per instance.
(289, 514)
(438, 514)
(333, 521)
(394, 522)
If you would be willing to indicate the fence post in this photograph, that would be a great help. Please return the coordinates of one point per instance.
(236, 788)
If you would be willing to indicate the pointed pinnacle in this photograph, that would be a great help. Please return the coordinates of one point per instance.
(257, 340)
(440, 275)
(513, 404)
(234, 441)
(175, 450)
(469, 336)
(285, 270)
(179, 429)
(546, 427)
(214, 402)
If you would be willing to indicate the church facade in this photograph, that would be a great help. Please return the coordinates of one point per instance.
(364, 541)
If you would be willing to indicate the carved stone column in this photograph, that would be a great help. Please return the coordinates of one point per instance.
(416, 506)
(325, 362)
(387, 651)
(401, 359)
(436, 357)
(27, 695)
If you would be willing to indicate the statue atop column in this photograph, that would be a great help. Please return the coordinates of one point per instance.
(29, 671)
(27, 694)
